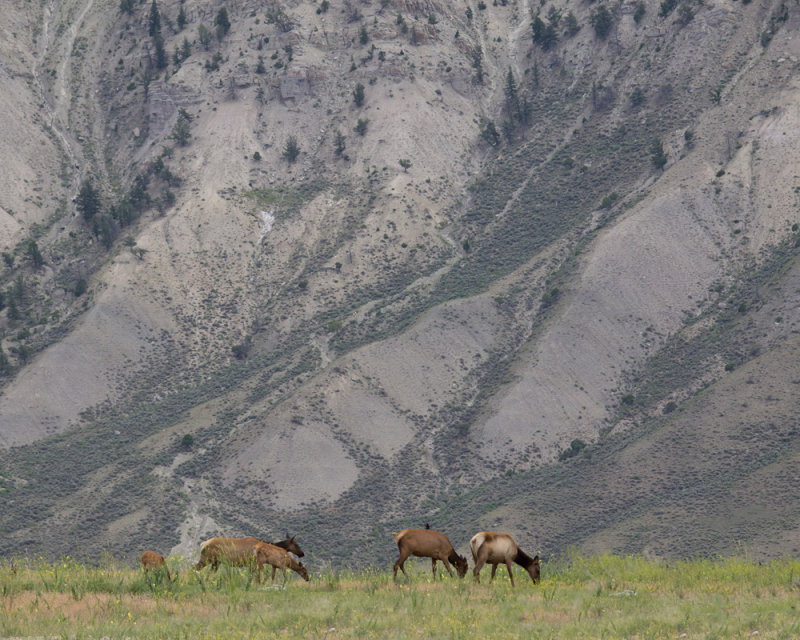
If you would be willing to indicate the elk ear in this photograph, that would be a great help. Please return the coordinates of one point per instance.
(536, 559)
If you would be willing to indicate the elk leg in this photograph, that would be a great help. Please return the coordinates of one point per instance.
(510, 572)
(447, 566)
(433, 568)
(480, 562)
(399, 563)
(273, 573)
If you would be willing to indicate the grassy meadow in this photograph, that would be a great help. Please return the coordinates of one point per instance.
(579, 597)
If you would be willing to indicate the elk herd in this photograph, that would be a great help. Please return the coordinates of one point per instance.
(487, 548)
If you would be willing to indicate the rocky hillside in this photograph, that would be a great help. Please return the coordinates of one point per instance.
(308, 266)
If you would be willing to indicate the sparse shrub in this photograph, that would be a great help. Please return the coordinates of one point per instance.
(405, 163)
(240, 351)
(32, 251)
(571, 26)
(358, 94)
(685, 13)
(489, 133)
(161, 60)
(361, 126)
(277, 16)
(223, 23)
(637, 97)
(609, 200)
(181, 132)
(628, 399)
(544, 34)
(669, 407)
(88, 200)
(657, 154)
(638, 14)
(550, 297)
(187, 441)
(338, 143)
(667, 7)
(291, 149)
(80, 288)
(602, 20)
(575, 447)
(204, 35)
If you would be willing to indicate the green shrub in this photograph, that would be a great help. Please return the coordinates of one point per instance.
(575, 447)
(602, 20)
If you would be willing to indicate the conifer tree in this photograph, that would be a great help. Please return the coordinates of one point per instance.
(154, 20)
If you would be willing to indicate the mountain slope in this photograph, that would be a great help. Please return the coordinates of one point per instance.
(366, 325)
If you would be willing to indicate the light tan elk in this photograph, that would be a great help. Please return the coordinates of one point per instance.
(494, 548)
(426, 543)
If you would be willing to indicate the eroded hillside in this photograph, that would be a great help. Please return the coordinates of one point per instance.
(299, 264)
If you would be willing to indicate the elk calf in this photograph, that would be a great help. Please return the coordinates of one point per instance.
(152, 561)
(278, 558)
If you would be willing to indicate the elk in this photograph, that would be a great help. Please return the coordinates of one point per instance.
(494, 548)
(152, 561)
(427, 543)
(238, 551)
(278, 558)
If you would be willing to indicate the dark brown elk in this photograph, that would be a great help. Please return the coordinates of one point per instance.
(426, 543)
(238, 551)
(278, 558)
(152, 561)
(494, 548)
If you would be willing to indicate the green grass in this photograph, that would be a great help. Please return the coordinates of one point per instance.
(580, 597)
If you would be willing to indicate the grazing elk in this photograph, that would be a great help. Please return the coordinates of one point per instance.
(278, 558)
(238, 551)
(494, 548)
(152, 561)
(426, 543)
